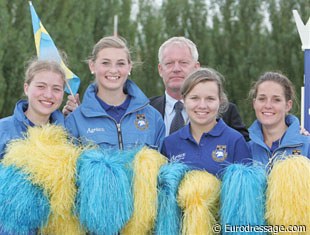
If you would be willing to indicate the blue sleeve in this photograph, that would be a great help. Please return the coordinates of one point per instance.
(3, 142)
(242, 152)
(71, 125)
(163, 150)
(2, 146)
(160, 132)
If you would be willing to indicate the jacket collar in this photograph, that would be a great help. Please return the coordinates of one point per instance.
(291, 135)
(91, 108)
(185, 132)
(19, 114)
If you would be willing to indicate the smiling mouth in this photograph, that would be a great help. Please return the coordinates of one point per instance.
(199, 113)
(112, 78)
(46, 103)
(267, 113)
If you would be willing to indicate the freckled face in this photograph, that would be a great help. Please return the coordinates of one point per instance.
(202, 105)
(45, 93)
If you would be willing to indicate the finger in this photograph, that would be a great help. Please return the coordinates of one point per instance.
(65, 110)
(77, 98)
(71, 104)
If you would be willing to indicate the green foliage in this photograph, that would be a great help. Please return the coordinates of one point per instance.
(240, 38)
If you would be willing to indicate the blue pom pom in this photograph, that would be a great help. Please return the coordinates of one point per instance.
(169, 214)
(243, 197)
(23, 206)
(104, 196)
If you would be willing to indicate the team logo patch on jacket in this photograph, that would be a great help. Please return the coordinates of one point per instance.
(296, 152)
(141, 123)
(219, 154)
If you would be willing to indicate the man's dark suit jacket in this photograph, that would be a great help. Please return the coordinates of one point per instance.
(231, 117)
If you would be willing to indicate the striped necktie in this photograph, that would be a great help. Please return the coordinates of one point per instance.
(178, 120)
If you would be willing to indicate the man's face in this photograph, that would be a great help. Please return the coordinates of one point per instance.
(177, 63)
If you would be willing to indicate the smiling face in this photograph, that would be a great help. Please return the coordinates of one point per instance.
(202, 105)
(270, 104)
(111, 68)
(45, 94)
(177, 63)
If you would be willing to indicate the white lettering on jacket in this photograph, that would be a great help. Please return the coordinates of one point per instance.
(179, 157)
(96, 129)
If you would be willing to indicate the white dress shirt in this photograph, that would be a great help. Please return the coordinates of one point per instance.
(169, 112)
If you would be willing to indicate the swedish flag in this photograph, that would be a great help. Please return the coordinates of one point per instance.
(46, 49)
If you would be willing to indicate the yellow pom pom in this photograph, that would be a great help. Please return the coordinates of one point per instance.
(146, 167)
(198, 197)
(49, 159)
(288, 191)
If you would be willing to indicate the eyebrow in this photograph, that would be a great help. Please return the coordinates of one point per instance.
(116, 60)
(271, 96)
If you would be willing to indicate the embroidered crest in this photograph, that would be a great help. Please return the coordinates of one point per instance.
(219, 154)
(296, 152)
(141, 123)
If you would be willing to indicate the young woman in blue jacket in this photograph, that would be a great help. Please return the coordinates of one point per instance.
(206, 143)
(44, 88)
(115, 113)
(275, 132)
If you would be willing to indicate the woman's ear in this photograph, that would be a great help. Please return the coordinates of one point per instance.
(26, 86)
(91, 66)
(289, 105)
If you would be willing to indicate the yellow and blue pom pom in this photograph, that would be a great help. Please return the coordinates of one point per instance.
(104, 197)
(23, 206)
(146, 165)
(169, 213)
(243, 196)
(288, 193)
(198, 197)
(49, 160)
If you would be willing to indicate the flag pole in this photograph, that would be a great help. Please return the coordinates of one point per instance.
(304, 33)
(115, 25)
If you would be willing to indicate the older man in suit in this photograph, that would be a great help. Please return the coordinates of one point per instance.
(178, 57)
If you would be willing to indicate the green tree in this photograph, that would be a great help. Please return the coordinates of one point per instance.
(148, 39)
(238, 48)
(15, 50)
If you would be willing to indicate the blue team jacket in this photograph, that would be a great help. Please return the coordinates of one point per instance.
(14, 126)
(217, 149)
(140, 125)
(292, 143)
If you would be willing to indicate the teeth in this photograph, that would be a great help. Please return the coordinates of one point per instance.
(46, 102)
(201, 113)
(267, 113)
(112, 77)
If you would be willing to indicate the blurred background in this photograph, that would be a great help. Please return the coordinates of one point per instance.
(239, 38)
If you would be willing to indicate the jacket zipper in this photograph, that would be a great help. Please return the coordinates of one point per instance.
(272, 155)
(119, 134)
(118, 126)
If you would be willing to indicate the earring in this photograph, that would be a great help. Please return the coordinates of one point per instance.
(92, 72)
(129, 73)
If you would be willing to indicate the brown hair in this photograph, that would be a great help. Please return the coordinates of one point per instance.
(282, 80)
